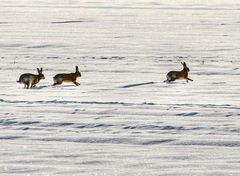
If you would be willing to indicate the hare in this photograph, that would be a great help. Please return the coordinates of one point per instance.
(67, 77)
(30, 80)
(174, 75)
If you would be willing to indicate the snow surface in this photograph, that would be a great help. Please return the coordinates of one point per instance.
(123, 119)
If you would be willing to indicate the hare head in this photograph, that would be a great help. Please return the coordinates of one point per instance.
(185, 66)
(78, 72)
(40, 74)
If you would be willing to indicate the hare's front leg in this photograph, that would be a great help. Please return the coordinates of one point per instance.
(33, 85)
(189, 79)
(75, 82)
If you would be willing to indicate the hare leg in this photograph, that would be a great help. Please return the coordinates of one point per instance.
(56, 82)
(34, 83)
(189, 79)
(28, 84)
(171, 80)
(76, 83)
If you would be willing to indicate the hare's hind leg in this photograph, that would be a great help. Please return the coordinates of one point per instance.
(57, 81)
(167, 81)
(27, 85)
(170, 79)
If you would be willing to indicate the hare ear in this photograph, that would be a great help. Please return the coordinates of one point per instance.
(77, 68)
(38, 70)
(41, 69)
(184, 63)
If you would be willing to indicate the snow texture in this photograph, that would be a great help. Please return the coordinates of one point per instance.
(123, 119)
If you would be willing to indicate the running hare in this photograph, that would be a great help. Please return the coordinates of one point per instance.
(30, 80)
(174, 75)
(67, 77)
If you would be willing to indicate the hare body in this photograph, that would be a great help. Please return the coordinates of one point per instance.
(31, 80)
(67, 77)
(176, 75)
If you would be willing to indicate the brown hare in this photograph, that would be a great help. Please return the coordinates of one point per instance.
(175, 75)
(30, 80)
(67, 77)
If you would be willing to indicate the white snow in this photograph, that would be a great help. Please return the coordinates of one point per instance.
(123, 119)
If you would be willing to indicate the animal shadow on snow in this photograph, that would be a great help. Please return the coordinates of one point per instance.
(51, 86)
